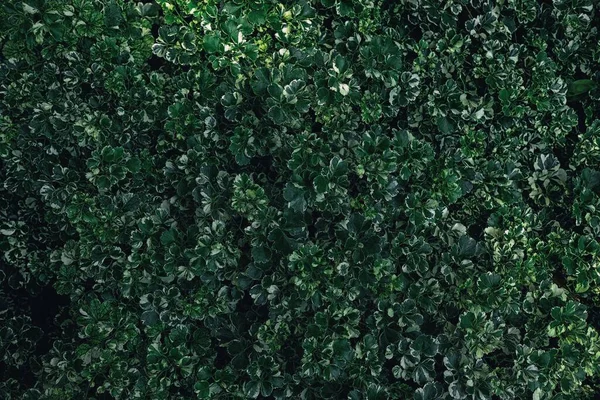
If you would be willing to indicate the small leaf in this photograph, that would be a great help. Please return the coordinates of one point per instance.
(467, 246)
(167, 237)
(29, 9)
(321, 184)
(277, 115)
(580, 86)
(344, 89)
(445, 125)
(150, 317)
(133, 164)
(202, 389)
(252, 389)
(294, 195)
(212, 43)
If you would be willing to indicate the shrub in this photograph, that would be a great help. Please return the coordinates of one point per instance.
(313, 199)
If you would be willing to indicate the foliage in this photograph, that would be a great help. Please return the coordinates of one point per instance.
(308, 199)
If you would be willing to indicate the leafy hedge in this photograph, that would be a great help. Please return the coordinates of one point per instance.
(314, 199)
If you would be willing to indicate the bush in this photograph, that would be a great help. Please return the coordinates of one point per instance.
(314, 199)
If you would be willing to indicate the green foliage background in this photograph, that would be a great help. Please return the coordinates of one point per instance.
(316, 199)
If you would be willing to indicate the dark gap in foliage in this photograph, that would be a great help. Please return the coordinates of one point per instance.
(125, 248)
(184, 392)
(272, 33)
(293, 357)
(581, 126)
(594, 316)
(171, 153)
(565, 218)
(264, 165)
(559, 275)
(36, 244)
(481, 86)
(535, 207)
(520, 33)
(153, 137)
(240, 223)
(553, 342)
(220, 114)
(439, 367)
(594, 384)
(477, 229)
(245, 303)
(416, 34)
(388, 4)
(355, 184)
(343, 391)
(223, 358)
(190, 95)
(245, 256)
(262, 313)
(452, 314)
(65, 158)
(24, 374)
(398, 121)
(328, 23)
(45, 307)
(156, 62)
(312, 227)
(86, 89)
(454, 207)
(463, 17)
(88, 284)
(410, 57)
(498, 359)
(316, 126)
(429, 327)
(154, 30)
(564, 153)
(579, 74)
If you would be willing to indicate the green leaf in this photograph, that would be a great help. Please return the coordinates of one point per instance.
(150, 317)
(424, 372)
(134, 164)
(294, 195)
(467, 246)
(321, 183)
(258, 17)
(260, 254)
(431, 391)
(340, 65)
(252, 389)
(425, 345)
(202, 389)
(281, 242)
(445, 125)
(212, 43)
(338, 167)
(277, 115)
(29, 9)
(579, 87)
(168, 237)
(342, 349)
